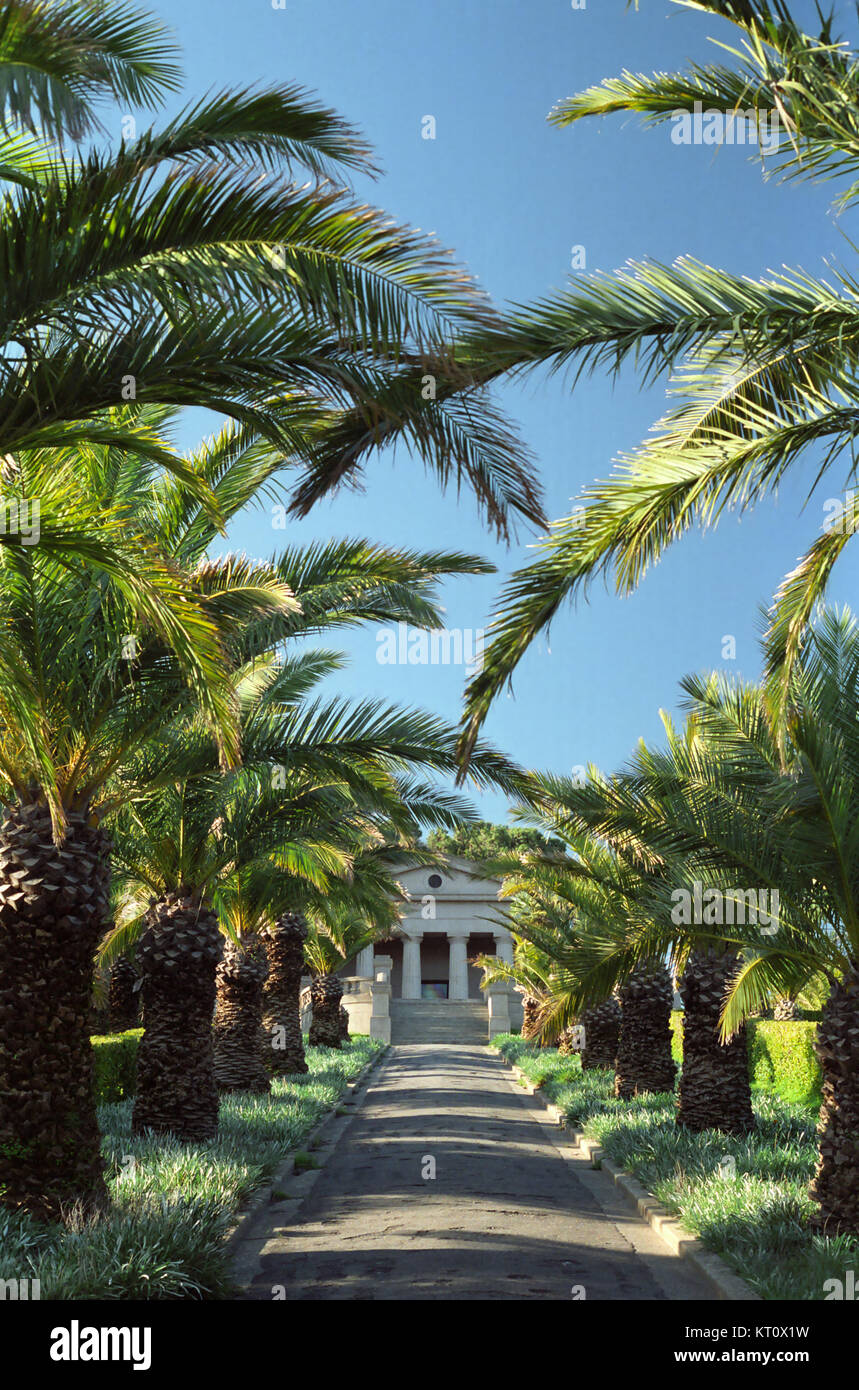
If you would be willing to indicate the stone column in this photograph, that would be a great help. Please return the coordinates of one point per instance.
(498, 1001)
(364, 963)
(504, 947)
(412, 966)
(380, 993)
(458, 968)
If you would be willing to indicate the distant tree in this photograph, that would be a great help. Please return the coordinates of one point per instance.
(482, 840)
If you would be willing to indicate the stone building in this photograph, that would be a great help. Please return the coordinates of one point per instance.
(452, 915)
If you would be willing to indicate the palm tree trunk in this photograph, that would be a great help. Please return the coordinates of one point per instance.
(836, 1180)
(644, 1062)
(567, 1041)
(281, 1017)
(785, 1010)
(123, 999)
(344, 1024)
(715, 1091)
(602, 1032)
(177, 956)
(530, 1012)
(238, 1018)
(53, 909)
(326, 991)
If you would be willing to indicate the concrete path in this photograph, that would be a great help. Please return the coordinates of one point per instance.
(510, 1213)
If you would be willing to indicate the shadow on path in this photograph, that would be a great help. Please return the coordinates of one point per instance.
(506, 1215)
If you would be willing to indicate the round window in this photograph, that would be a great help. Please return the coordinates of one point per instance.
(435, 880)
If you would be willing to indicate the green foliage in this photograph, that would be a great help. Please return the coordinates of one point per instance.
(782, 1060)
(781, 1057)
(677, 1035)
(115, 1065)
(761, 373)
(483, 840)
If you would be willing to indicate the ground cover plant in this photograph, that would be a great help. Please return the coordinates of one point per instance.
(173, 1202)
(746, 1196)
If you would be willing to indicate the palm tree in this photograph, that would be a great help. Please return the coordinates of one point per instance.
(246, 904)
(123, 995)
(715, 1091)
(644, 1062)
(89, 678)
(601, 1024)
(738, 805)
(766, 368)
(206, 274)
(647, 823)
(283, 1042)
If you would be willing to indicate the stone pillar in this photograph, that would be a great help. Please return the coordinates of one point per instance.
(364, 963)
(458, 968)
(412, 966)
(504, 947)
(380, 992)
(498, 1000)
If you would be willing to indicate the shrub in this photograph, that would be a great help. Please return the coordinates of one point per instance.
(115, 1065)
(782, 1060)
(781, 1057)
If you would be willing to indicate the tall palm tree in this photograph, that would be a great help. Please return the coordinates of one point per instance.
(247, 903)
(766, 368)
(650, 817)
(644, 1061)
(737, 805)
(282, 1038)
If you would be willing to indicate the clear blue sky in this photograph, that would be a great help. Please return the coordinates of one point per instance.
(512, 195)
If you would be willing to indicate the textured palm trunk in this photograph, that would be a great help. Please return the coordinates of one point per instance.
(602, 1031)
(283, 1045)
(530, 1013)
(715, 1091)
(123, 996)
(177, 957)
(53, 911)
(785, 1010)
(569, 1041)
(326, 991)
(836, 1180)
(238, 1018)
(644, 1062)
(344, 1024)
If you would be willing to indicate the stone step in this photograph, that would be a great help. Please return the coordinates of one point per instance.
(439, 1020)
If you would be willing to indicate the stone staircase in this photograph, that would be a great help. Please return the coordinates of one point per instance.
(439, 1021)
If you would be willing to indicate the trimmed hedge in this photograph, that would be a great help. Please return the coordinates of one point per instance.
(115, 1065)
(781, 1057)
(782, 1060)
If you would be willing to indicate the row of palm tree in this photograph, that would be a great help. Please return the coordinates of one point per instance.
(729, 855)
(170, 774)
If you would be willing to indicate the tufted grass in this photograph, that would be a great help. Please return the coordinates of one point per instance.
(172, 1203)
(747, 1198)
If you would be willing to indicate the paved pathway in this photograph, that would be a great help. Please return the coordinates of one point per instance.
(510, 1214)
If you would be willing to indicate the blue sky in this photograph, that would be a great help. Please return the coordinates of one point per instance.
(512, 195)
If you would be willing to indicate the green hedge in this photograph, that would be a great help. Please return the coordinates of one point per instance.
(782, 1060)
(115, 1065)
(781, 1057)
